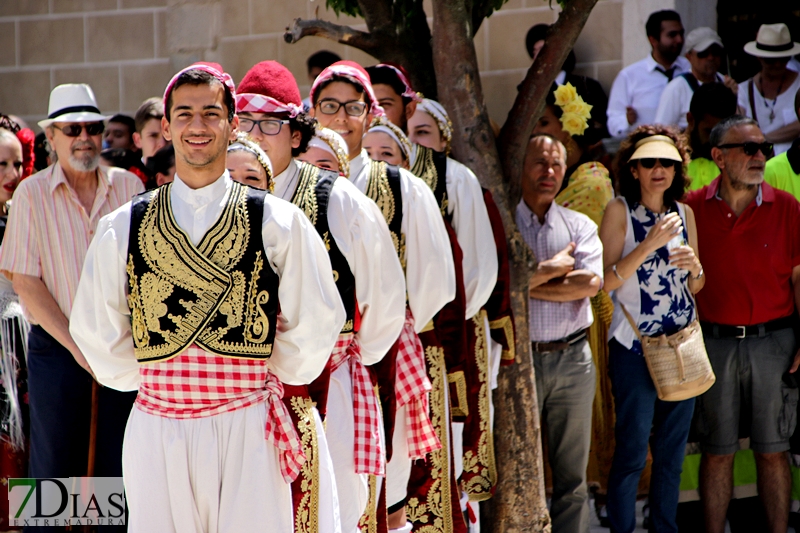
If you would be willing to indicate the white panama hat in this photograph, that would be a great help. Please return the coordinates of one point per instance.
(72, 102)
(773, 40)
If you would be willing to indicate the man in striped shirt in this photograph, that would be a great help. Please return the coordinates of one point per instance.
(49, 229)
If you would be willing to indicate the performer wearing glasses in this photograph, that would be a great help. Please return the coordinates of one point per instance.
(750, 249)
(207, 295)
(49, 230)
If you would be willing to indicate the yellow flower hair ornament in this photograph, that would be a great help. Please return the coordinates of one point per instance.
(575, 113)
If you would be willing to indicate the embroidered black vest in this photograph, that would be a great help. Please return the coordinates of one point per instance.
(221, 294)
(383, 187)
(312, 194)
(431, 167)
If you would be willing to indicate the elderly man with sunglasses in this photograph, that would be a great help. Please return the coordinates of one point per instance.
(749, 239)
(49, 229)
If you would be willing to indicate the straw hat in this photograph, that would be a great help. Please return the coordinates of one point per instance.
(773, 40)
(72, 102)
(656, 146)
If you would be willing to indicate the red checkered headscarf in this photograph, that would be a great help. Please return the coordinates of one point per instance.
(269, 87)
(402, 76)
(355, 73)
(214, 69)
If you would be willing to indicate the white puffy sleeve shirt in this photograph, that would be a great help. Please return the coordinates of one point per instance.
(311, 312)
(360, 231)
(474, 232)
(430, 273)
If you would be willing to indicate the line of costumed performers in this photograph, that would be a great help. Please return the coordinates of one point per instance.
(313, 312)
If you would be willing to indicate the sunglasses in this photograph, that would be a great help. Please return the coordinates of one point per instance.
(750, 148)
(650, 162)
(711, 50)
(74, 130)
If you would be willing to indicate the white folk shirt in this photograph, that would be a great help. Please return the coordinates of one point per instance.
(552, 321)
(675, 101)
(361, 233)
(311, 313)
(430, 272)
(639, 86)
(784, 109)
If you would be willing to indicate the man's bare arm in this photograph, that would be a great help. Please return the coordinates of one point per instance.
(44, 309)
(575, 285)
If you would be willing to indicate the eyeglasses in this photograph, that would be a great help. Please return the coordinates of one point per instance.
(74, 130)
(267, 126)
(750, 148)
(329, 106)
(650, 162)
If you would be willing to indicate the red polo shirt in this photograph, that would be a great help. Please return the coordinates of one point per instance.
(748, 260)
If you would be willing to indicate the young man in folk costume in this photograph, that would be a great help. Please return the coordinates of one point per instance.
(367, 272)
(343, 101)
(462, 204)
(205, 295)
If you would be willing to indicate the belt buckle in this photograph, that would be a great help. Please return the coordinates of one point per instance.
(743, 330)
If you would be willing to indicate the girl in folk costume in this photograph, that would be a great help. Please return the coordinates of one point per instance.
(13, 326)
(475, 469)
(206, 296)
(343, 100)
(248, 164)
(588, 189)
(368, 276)
(327, 150)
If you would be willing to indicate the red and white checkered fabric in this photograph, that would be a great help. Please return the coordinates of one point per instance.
(412, 388)
(197, 384)
(259, 103)
(368, 452)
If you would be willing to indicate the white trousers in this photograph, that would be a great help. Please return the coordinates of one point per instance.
(352, 488)
(398, 470)
(216, 474)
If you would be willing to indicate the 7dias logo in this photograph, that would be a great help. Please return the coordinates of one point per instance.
(72, 501)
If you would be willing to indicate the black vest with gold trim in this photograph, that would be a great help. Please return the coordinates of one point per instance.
(221, 294)
(431, 167)
(383, 187)
(312, 195)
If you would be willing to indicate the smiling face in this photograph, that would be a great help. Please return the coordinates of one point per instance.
(199, 128)
(320, 158)
(381, 147)
(542, 170)
(423, 130)
(245, 168)
(349, 127)
(10, 165)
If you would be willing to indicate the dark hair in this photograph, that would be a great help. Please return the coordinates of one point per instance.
(151, 108)
(345, 79)
(385, 76)
(161, 161)
(797, 104)
(712, 99)
(725, 125)
(628, 186)
(200, 77)
(306, 125)
(653, 26)
(537, 33)
(125, 120)
(322, 60)
(41, 152)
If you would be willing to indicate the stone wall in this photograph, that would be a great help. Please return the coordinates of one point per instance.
(128, 49)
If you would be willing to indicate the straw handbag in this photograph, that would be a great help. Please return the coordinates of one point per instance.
(678, 363)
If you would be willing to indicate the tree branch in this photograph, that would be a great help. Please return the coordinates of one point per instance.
(378, 14)
(335, 32)
(529, 105)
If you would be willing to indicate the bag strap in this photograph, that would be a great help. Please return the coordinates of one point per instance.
(632, 323)
(691, 80)
(750, 89)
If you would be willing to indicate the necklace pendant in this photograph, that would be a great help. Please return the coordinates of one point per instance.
(771, 116)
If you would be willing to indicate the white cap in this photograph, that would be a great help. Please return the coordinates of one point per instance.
(699, 39)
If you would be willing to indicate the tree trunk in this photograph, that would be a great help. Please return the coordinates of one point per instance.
(519, 503)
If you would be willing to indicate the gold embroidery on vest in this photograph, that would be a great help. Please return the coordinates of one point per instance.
(368, 523)
(141, 337)
(307, 518)
(173, 261)
(438, 503)
(425, 169)
(305, 197)
(508, 330)
(380, 192)
(459, 407)
(479, 486)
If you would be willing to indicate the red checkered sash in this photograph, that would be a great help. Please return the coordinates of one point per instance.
(368, 451)
(198, 384)
(412, 389)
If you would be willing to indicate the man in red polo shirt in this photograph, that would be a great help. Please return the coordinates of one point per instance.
(749, 240)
